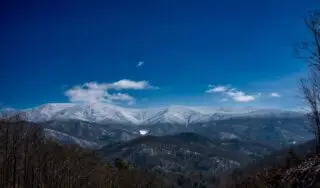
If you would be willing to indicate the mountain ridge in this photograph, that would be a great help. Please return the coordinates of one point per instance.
(176, 152)
(175, 114)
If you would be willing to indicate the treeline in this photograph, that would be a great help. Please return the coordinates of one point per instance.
(292, 170)
(28, 159)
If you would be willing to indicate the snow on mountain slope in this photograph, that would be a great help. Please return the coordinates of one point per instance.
(110, 113)
(177, 114)
(107, 113)
(96, 113)
(87, 112)
(45, 112)
(68, 139)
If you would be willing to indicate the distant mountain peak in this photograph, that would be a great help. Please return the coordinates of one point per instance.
(177, 114)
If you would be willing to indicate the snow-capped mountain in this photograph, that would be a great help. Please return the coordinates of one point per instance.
(85, 112)
(86, 124)
(107, 113)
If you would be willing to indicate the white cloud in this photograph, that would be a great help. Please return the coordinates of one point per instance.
(234, 94)
(95, 85)
(240, 96)
(217, 89)
(93, 92)
(140, 63)
(129, 84)
(274, 94)
(86, 93)
(121, 97)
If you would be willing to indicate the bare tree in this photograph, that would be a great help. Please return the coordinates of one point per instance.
(29, 159)
(310, 50)
(310, 87)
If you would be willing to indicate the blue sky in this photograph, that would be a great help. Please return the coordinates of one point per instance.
(89, 51)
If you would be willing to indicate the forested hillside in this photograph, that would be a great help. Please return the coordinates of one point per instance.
(27, 160)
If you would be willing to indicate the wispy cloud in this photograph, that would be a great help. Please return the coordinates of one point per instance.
(274, 94)
(217, 89)
(224, 100)
(93, 92)
(122, 97)
(234, 94)
(140, 63)
(129, 84)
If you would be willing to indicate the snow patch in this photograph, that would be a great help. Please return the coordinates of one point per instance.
(143, 132)
(227, 135)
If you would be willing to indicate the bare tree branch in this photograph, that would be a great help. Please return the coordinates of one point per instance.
(310, 87)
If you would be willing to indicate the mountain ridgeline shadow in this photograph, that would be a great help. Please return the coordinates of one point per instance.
(184, 152)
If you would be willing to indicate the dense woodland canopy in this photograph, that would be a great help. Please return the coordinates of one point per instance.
(27, 159)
